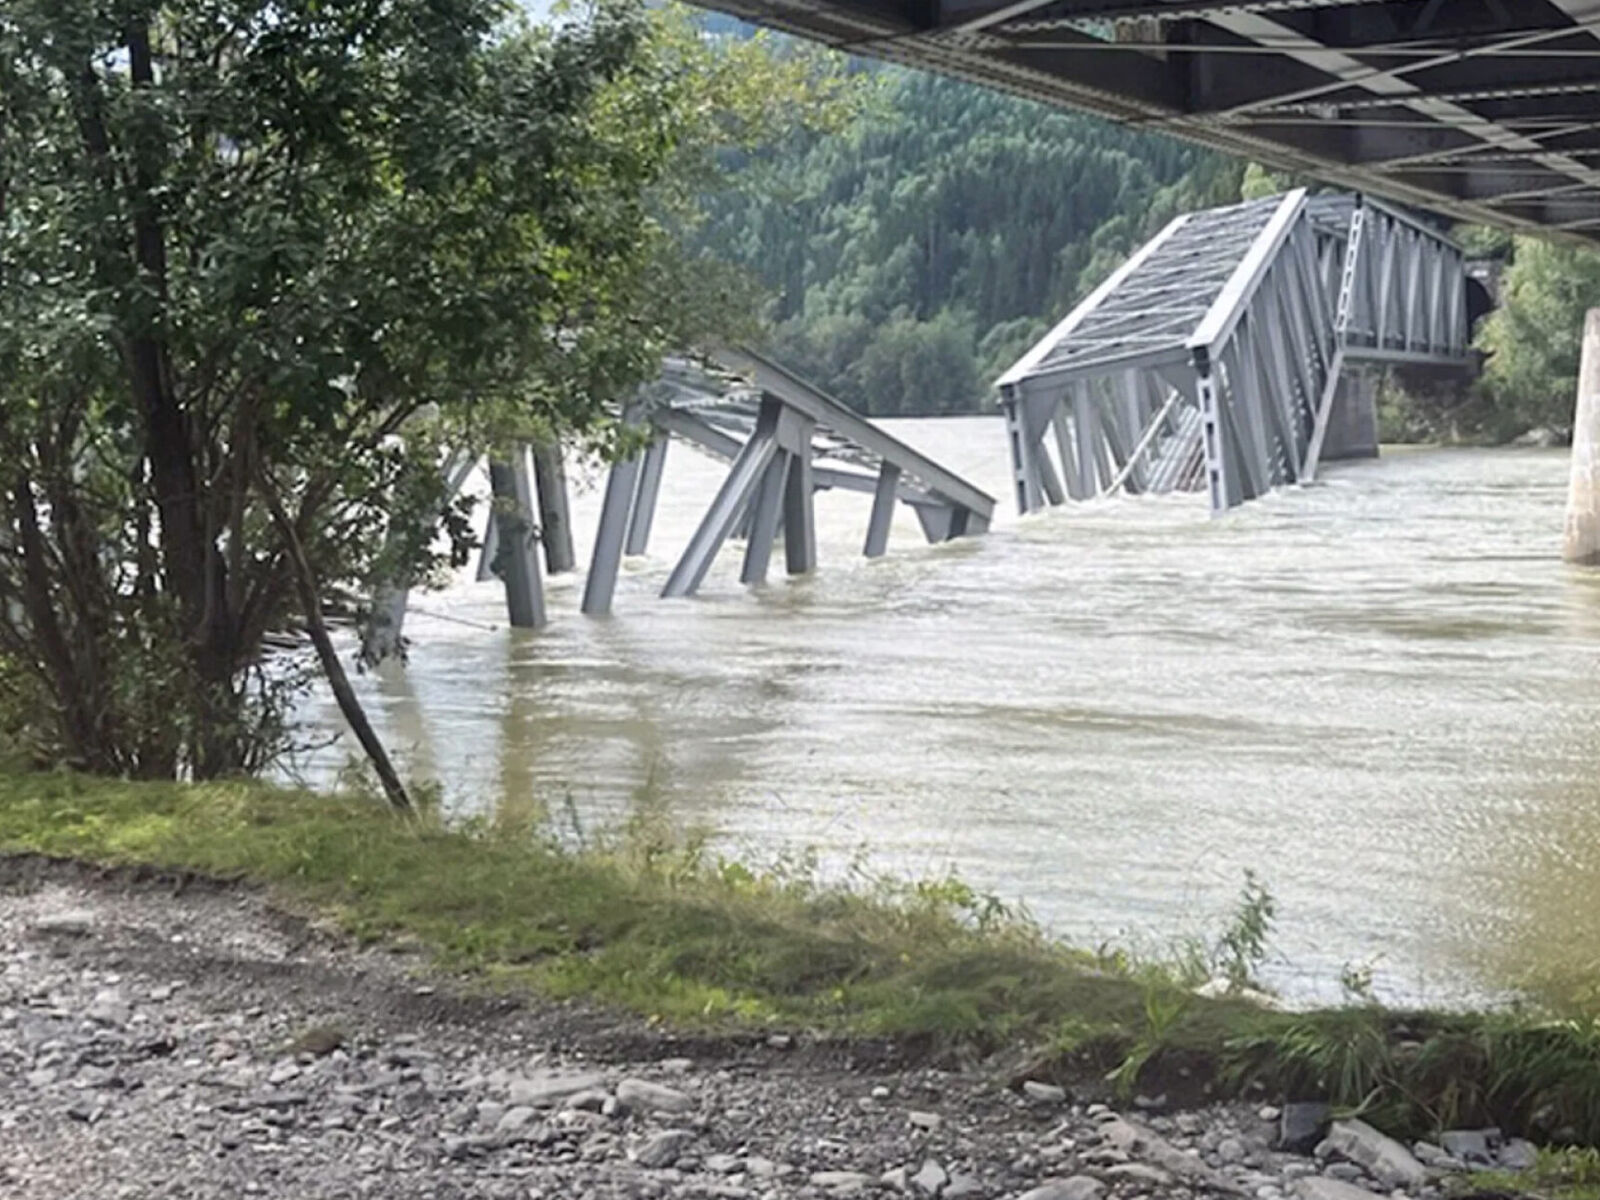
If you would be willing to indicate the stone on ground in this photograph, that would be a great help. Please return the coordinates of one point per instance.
(643, 1096)
(1390, 1163)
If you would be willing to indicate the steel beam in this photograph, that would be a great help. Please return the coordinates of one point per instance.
(730, 502)
(555, 514)
(882, 510)
(644, 500)
(799, 514)
(606, 559)
(515, 557)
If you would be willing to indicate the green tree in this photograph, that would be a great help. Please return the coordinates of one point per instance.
(260, 263)
(945, 200)
(1534, 338)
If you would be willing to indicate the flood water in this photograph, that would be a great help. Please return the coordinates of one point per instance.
(1379, 693)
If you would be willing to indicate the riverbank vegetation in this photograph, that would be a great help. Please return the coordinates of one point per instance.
(678, 934)
(261, 269)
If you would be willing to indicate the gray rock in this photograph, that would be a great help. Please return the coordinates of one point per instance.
(664, 1149)
(896, 1179)
(643, 1096)
(1518, 1155)
(69, 922)
(514, 1119)
(1390, 1163)
(542, 1091)
(1319, 1187)
(840, 1181)
(1137, 1142)
(923, 1120)
(1471, 1146)
(1231, 1150)
(1269, 1113)
(722, 1164)
(593, 1100)
(1141, 1173)
(1074, 1187)
(1301, 1124)
(1044, 1093)
(1346, 1172)
(1541, 437)
(1189, 1123)
(930, 1179)
(962, 1187)
(1430, 1155)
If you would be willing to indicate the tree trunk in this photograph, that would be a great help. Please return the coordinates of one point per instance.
(349, 704)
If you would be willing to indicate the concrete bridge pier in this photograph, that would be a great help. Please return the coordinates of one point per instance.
(1353, 419)
(1581, 543)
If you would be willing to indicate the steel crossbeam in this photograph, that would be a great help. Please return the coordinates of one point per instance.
(1223, 341)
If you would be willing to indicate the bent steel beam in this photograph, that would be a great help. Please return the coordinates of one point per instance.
(1227, 336)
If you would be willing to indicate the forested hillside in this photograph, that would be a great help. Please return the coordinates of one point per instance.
(913, 256)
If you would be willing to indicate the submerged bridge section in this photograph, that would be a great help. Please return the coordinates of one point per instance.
(785, 441)
(1214, 358)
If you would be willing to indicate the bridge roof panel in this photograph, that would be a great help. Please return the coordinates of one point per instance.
(1487, 110)
(1152, 308)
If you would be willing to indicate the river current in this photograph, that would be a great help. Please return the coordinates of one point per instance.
(1379, 693)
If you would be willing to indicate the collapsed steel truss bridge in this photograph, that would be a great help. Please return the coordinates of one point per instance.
(784, 440)
(1217, 355)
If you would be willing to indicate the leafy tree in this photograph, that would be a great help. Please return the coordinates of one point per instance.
(261, 262)
(1534, 338)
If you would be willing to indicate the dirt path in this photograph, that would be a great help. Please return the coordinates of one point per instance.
(158, 1040)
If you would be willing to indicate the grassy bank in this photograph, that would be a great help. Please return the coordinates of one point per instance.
(672, 932)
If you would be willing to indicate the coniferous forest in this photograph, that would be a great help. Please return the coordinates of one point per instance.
(913, 256)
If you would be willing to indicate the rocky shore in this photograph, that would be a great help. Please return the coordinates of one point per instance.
(167, 1040)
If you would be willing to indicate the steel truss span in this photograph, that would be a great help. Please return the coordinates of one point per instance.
(1212, 358)
(784, 441)
(1488, 110)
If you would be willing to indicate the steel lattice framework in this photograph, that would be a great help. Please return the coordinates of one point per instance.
(1486, 109)
(1213, 356)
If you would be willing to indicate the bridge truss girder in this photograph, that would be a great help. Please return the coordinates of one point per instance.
(1212, 358)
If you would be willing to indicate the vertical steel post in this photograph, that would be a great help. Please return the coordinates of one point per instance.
(555, 514)
(518, 564)
(765, 515)
(606, 558)
(883, 501)
(1219, 485)
(799, 513)
(644, 500)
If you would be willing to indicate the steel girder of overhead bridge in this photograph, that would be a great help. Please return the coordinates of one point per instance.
(1485, 109)
(1212, 357)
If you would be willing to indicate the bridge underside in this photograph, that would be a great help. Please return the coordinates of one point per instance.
(1214, 358)
(1488, 110)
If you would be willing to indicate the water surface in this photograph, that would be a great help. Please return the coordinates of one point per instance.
(1380, 693)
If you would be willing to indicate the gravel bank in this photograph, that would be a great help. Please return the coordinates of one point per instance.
(161, 1040)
